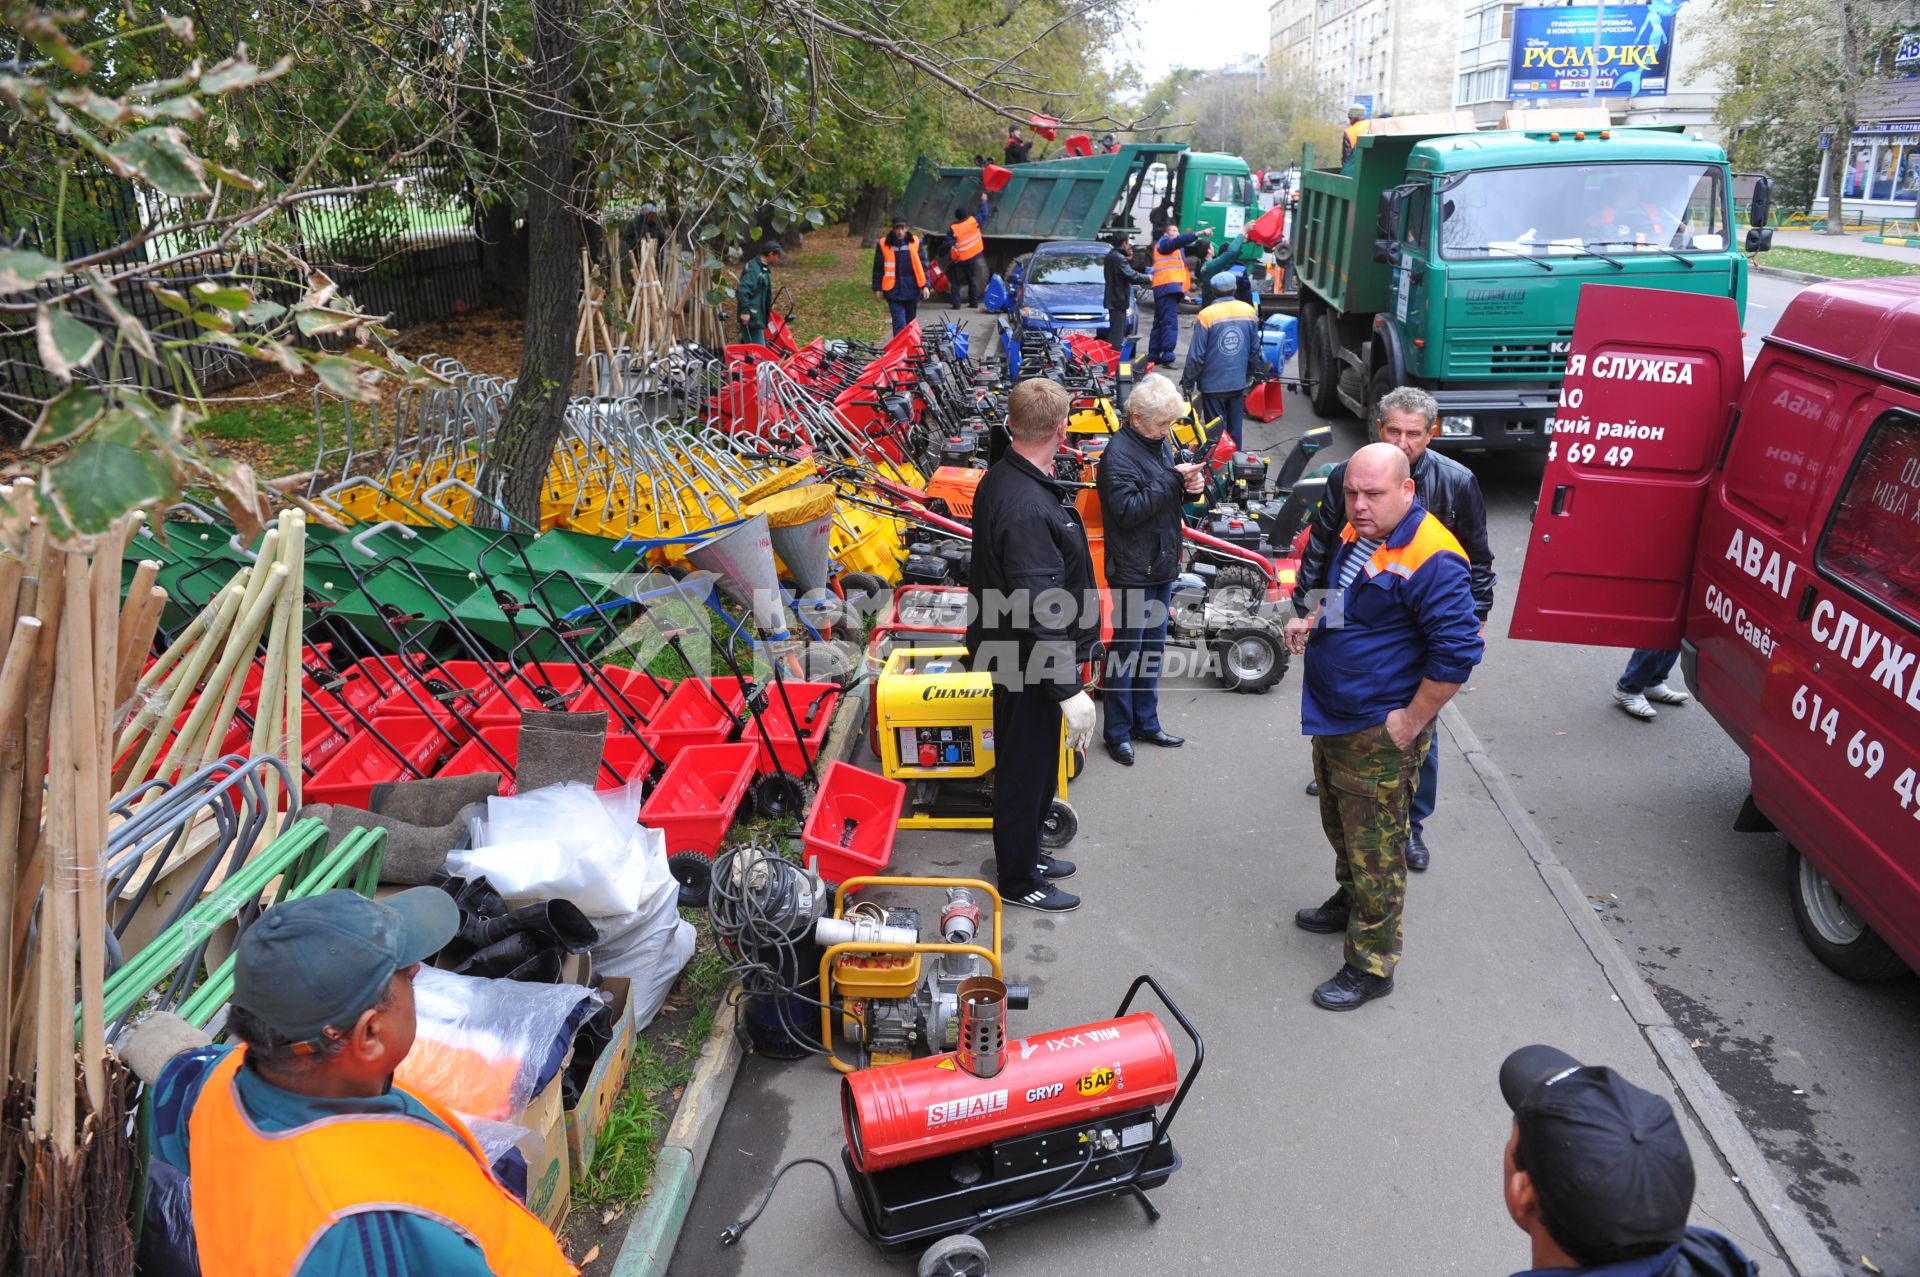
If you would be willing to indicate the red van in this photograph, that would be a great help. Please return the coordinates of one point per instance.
(1767, 524)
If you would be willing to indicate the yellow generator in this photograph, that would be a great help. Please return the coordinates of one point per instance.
(933, 727)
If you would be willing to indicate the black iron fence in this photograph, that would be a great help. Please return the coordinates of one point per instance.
(410, 254)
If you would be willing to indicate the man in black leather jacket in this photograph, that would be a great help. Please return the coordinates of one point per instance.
(1598, 1176)
(1408, 418)
(1121, 278)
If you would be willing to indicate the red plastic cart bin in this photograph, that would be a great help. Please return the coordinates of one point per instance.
(690, 717)
(347, 779)
(850, 830)
(626, 756)
(813, 705)
(502, 707)
(694, 805)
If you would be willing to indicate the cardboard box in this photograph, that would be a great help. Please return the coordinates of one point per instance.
(549, 1182)
(586, 1120)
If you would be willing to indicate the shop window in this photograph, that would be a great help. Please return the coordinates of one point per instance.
(1859, 164)
(1872, 542)
(1907, 186)
(1887, 163)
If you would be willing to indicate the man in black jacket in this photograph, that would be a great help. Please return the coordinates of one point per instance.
(1033, 616)
(1141, 491)
(1017, 147)
(1408, 418)
(1121, 280)
(1599, 1177)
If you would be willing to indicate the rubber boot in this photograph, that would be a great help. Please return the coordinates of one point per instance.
(559, 921)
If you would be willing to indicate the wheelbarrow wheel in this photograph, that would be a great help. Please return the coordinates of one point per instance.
(1058, 829)
(863, 585)
(959, 1256)
(780, 796)
(694, 873)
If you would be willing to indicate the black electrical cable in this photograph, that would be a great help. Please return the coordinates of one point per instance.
(738, 1229)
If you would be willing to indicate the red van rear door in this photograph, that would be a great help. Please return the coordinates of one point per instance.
(1645, 406)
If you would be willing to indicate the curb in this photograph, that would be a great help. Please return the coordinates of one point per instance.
(648, 1246)
(1894, 241)
(1805, 1253)
(1797, 276)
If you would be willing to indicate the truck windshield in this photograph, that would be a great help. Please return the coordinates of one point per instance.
(1568, 208)
(1067, 268)
(1229, 188)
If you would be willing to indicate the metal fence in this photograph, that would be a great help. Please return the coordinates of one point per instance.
(410, 254)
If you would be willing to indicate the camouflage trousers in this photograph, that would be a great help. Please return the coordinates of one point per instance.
(1366, 792)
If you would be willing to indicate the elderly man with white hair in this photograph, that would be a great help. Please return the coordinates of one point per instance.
(1141, 492)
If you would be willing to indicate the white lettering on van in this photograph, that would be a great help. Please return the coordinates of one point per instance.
(1769, 567)
(1628, 430)
(1676, 372)
(1804, 406)
(1891, 672)
(1857, 642)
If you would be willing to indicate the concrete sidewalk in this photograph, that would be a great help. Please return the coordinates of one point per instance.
(1353, 1144)
(1820, 242)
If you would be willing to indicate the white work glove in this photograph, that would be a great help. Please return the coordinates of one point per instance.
(1078, 710)
(156, 1040)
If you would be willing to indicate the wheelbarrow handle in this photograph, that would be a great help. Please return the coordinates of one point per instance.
(427, 499)
(239, 547)
(390, 525)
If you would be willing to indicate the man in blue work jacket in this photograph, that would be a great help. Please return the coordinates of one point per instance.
(1224, 359)
(1170, 280)
(1392, 641)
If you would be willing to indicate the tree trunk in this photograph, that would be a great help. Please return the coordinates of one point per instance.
(1849, 116)
(869, 215)
(516, 465)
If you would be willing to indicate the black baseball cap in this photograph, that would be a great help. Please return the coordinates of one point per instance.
(308, 965)
(1607, 1159)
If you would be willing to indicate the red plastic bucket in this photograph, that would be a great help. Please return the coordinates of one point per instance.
(850, 830)
(695, 801)
(995, 178)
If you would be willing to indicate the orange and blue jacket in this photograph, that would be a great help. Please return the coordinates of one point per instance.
(1407, 616)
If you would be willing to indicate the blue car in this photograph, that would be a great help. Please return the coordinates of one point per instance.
(1063, 286)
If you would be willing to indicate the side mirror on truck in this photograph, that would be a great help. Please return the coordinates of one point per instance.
(1759, 211)
(1386, 230)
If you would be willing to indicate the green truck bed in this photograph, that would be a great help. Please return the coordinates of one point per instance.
(1067, 198)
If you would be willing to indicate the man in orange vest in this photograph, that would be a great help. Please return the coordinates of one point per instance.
(302, 1157)
(900, 273)
(967, 250)
(1170, 280)
(1358, 126)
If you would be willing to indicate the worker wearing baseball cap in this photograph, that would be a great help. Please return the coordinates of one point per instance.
(1224, 359)
(302, 1156)
(1599, 1176)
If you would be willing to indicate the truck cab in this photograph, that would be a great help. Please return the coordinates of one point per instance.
(1455, 262)
(1767, 525)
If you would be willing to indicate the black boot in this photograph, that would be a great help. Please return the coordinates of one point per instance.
(1350, 988)
(1327, 918)
(558, 921)
(1418, 857)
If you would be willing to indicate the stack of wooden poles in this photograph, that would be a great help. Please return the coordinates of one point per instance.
(65, 1154)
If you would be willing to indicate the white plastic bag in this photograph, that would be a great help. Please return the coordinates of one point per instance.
(562, 842)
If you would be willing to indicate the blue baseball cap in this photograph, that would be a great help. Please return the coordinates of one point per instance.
(1224, 282)
(309, 965)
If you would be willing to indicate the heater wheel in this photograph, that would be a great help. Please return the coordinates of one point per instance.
(958, 1256)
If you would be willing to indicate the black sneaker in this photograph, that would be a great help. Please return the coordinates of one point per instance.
(1327, 918)
(1053, 868)
(1047, 899)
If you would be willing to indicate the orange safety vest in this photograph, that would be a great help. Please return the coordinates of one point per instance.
(967, 243)
(1170, 268)
(1429, 539)
(1353, 133)
(888, 270)
(261, 1201)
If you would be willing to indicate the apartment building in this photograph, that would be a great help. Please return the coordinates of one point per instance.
(1390, 55)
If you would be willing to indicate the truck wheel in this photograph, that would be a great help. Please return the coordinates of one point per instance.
(1832, 929)
(1323, 364)
(1252, 659)
(1377, 387)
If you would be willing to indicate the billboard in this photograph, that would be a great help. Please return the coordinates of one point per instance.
(1607, 50)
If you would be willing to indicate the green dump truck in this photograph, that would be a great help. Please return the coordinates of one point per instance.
(1454, 261)
(1086, 197)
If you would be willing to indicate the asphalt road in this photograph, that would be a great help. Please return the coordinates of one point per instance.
(1820, 1069)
